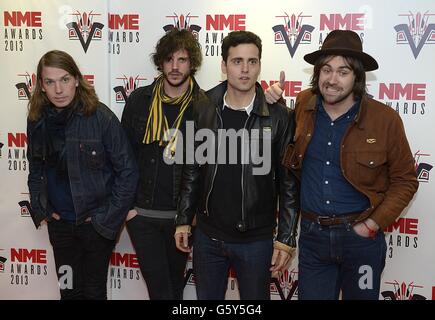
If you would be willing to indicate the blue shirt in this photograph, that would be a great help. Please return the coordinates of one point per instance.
(324, 190)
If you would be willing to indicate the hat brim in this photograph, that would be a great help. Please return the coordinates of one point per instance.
(368, 61)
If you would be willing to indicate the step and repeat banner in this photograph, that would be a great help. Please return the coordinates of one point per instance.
(112, 41)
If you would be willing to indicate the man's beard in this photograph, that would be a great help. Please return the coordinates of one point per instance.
(336, 99)
(178, 84)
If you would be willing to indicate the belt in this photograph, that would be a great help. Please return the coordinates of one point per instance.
(330, 220)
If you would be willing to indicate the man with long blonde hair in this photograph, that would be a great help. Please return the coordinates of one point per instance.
(82, 174)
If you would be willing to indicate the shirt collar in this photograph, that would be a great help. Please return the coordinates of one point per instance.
(351, 113)
(248, 108)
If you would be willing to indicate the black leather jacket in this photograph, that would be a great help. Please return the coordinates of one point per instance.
(259, 193)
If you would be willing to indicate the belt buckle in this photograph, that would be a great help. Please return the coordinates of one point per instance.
(325, 219)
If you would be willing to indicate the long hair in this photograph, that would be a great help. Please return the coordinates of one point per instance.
(85, 93)
(176, 40)
(359, 88)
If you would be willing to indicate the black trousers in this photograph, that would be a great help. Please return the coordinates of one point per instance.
(82, 260)
(161, 263)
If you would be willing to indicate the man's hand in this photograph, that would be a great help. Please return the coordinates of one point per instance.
(54, 215)
(366, 228)
(280, 261)
(275, 91)
(131, 214)
(181, 236)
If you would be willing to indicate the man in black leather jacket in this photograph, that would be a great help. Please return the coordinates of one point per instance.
(235, 195)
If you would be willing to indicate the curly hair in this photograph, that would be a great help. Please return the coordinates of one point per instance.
(176, 40)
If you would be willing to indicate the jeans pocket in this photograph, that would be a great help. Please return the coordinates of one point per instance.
(353, 232)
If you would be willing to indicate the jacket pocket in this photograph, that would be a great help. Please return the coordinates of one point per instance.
(93, 155)
(370, 166)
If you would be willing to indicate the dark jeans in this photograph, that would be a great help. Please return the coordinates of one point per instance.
(336, 258)
(161, 263)
(86, 253)
(213, 258)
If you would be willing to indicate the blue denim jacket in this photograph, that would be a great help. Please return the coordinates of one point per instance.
(102, 170)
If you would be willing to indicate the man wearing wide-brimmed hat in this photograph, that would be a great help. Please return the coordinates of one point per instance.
(356, 170)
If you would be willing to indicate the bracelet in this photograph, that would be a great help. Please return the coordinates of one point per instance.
(372, 232)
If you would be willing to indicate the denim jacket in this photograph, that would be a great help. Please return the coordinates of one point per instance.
(101, 168)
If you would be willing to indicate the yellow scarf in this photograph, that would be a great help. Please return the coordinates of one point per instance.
(157, 128)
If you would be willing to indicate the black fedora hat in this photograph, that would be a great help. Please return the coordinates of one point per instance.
(343, 43)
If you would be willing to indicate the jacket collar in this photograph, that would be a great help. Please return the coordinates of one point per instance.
(43, 117)
(260, 107)
(360, 117)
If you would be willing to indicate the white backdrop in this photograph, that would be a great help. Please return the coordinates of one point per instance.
(114, 54)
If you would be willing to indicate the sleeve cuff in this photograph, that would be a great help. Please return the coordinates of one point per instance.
(281, 246)
(185, 228)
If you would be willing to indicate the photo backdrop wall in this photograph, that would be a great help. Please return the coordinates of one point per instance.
(112, 41)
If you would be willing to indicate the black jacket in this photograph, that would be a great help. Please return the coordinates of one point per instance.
(259, 193)
(101, 169)
(134, 120)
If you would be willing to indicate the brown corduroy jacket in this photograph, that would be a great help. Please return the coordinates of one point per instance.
(375, 156)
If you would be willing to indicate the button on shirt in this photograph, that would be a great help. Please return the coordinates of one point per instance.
(324, 189)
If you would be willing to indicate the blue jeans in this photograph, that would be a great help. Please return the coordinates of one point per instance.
(87, 253)
(161, 263)
(335, 258)
(213, 258)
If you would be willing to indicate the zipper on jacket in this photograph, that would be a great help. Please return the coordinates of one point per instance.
(243, 176)
(216, 165)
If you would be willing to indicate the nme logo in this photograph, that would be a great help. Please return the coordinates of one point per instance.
(402, 291)
(291, 88)
(25, 87)
(183, 22)
(404, 225)
(90, 78)
(19, 19)
(417, 32)
(406, 238)
(423, 169)
(350, 21)
(293, 32)
(32, 255)
(85, 29)
(220, 22)
(129, 85)
(128, 260)
(17, 140)
(409, 91)
(126, 21)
